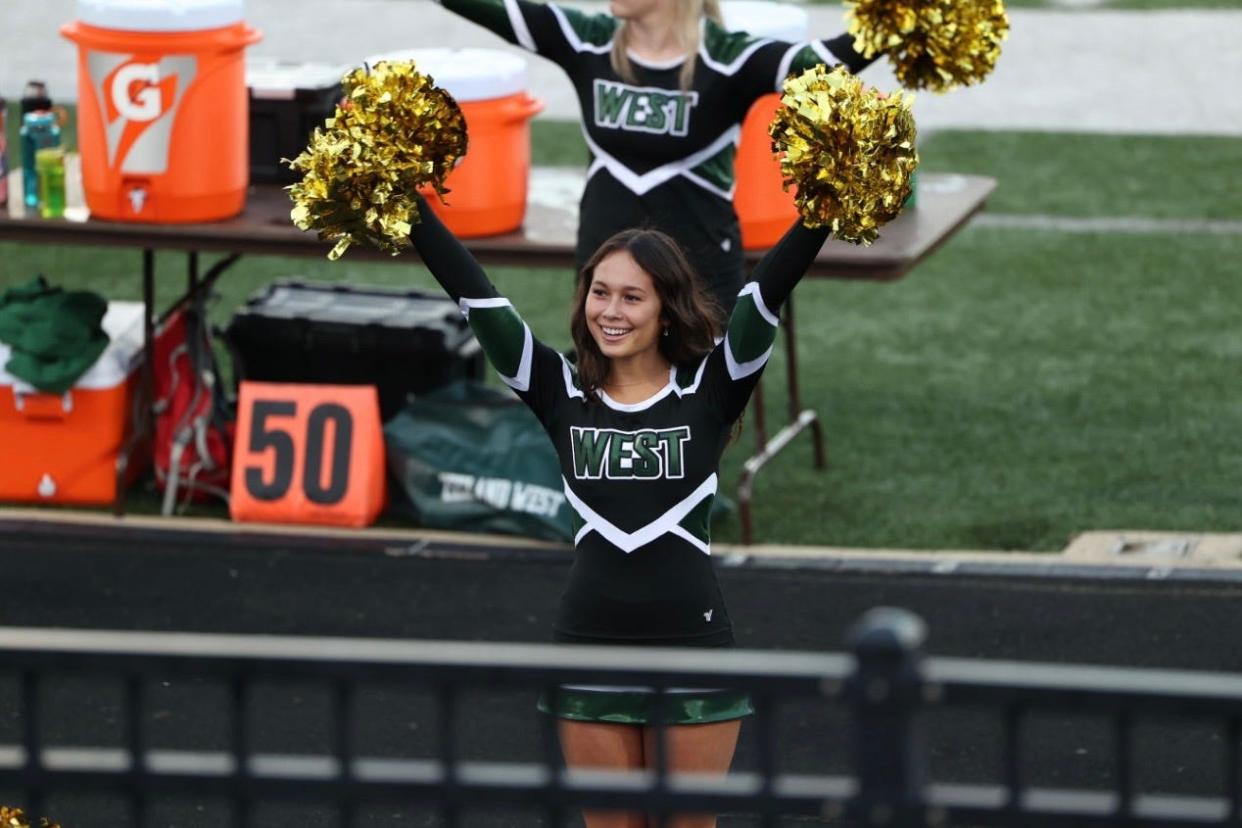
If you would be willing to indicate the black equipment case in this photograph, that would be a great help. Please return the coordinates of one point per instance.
(287, 102)
(401, 341)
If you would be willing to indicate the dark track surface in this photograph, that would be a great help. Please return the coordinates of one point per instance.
(245, 584)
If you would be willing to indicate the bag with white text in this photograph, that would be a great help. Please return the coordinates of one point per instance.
(469, 458)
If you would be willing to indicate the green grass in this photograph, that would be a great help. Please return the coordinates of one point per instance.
(1019, 387)
(557, 144)
(1095, 175)
(1052, 173)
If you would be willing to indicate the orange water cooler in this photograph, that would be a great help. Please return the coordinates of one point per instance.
(488, 186)
(764, 209)
(162, 108)
(63, 448)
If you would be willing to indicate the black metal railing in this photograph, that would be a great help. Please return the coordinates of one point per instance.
(885, 684)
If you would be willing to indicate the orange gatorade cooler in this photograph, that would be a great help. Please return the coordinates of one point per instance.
(764, 209)
(488, 186)
(162, 108)
(62, 448)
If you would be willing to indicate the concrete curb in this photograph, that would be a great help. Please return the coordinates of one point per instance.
(1135, 550)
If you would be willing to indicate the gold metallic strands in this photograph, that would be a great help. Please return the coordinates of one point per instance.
(932, 44)
(394, 132)
(849, 150)
(14, 818)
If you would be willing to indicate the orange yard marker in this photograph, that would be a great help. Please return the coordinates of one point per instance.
(308, 454)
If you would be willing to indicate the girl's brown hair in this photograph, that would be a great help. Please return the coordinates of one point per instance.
(691, 315)
(689, 14)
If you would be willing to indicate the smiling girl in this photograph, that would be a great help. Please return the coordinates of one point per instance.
(639, 425)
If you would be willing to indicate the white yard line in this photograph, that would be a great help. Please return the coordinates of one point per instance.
(1109, 224)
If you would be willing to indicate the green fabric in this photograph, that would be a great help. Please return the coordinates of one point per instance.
(637, 706)
(470, 458)
(719, 169)
(698, 521)
(750, 334)
(596, 29)
(55, 335)
(487, 13)
(502, 335)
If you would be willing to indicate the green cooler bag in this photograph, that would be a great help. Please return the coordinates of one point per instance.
(470, 458)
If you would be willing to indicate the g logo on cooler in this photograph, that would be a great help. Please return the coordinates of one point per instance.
(147, 104)
(139, 96)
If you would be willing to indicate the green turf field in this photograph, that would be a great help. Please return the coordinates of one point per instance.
(1017, 388)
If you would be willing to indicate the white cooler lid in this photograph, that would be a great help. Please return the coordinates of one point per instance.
(467, 74)
(123, 325)
(161, 15)
(766, 19)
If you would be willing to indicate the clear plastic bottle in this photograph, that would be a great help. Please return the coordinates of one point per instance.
(40, 130)
(4, 152)
(50, 165)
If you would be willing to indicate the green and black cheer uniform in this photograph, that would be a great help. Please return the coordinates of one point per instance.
(640, 477)
(661, 156)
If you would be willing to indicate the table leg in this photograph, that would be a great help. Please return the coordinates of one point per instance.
(148, 324)
(197, 284)
(795, 397)
(799, 419)
(195, 291)
(142, 419)
(758, 409)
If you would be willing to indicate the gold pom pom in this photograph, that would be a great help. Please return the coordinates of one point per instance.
(394, 132)
(14, 818)
(849, 150)
(933, 44)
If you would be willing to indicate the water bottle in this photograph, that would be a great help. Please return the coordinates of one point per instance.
(50, 164)
(34, 99)
(40, 130)
(4, 152)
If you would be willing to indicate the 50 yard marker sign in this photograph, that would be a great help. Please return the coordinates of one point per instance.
(308, 454)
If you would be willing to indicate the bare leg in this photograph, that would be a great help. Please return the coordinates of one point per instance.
(700, 749)
(604, 747)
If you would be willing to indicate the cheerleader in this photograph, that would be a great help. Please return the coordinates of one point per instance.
(639, 424)
(663, 90)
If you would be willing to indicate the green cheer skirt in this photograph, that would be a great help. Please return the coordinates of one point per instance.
(642, 706)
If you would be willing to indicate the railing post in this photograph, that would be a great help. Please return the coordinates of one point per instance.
(885, 693)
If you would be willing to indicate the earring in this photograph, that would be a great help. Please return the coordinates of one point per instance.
(666, 331)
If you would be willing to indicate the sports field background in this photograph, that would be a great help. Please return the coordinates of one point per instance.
(1067, 362)
(1029, 381)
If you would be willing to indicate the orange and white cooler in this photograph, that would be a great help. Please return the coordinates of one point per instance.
(62, 448)
(764, 209)
(488, 186)
(162, 108)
